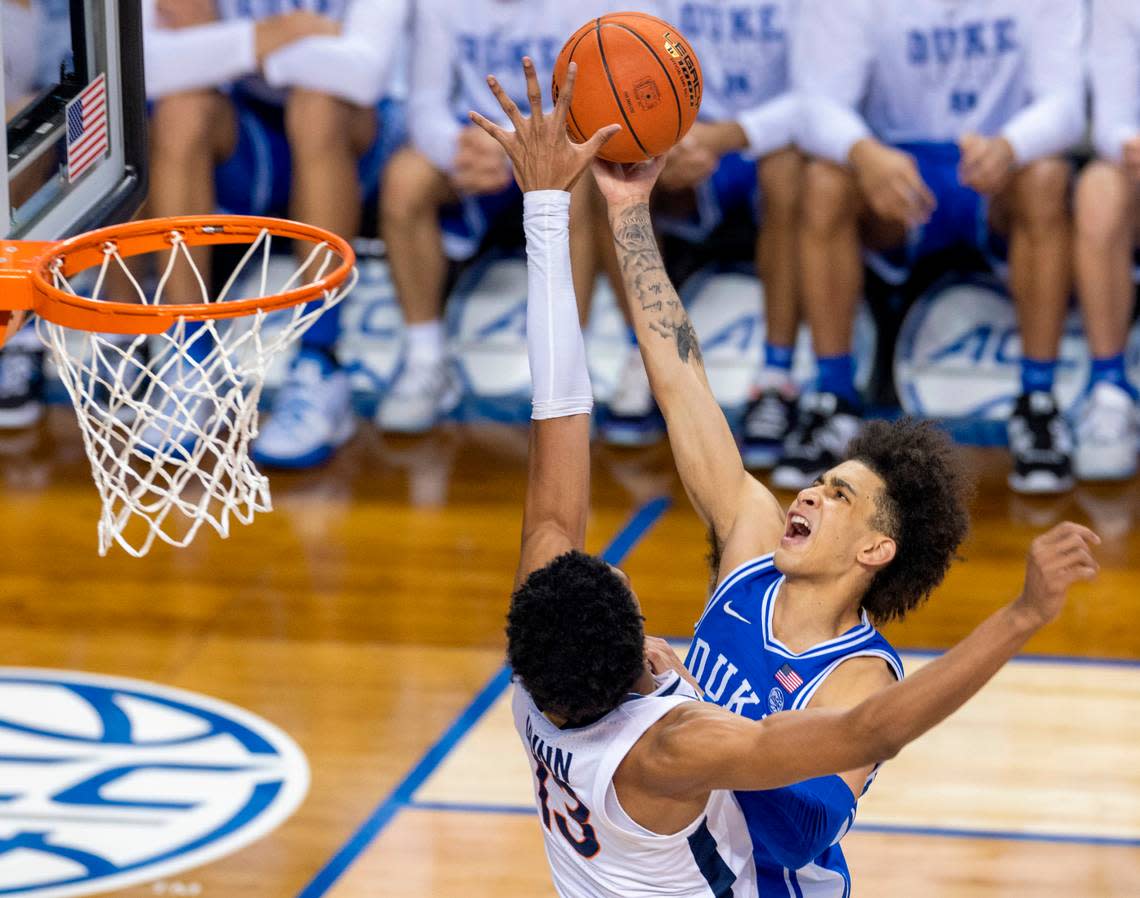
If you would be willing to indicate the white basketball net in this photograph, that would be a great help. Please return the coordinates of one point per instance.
(168, 419)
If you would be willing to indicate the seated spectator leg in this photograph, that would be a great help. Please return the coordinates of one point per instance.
(189, 134)
(1106, 232)
(1034, 211)
(312, 411)
(589, 254)
(770, 414)
(831, 275)
(412, 193)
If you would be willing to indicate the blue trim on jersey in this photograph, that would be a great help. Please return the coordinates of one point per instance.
(753, 565)
(793, 883)
(716, 872)
(853, 637)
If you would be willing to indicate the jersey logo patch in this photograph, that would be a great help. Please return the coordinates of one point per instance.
(728, 610)
(789, 679)
(775, 700)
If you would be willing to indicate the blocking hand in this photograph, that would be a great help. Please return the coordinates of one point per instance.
(541, 151)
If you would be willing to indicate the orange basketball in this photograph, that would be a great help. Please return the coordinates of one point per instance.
(634, 70)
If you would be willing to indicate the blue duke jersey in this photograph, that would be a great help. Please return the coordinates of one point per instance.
(742, 666)
(595, 850)
(913, 71)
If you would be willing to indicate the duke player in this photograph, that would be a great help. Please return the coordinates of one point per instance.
(630, 771)
(1108, 230)
(263, 107)
(790, 623)
(443, 193)
(737, 163)
(934, 122)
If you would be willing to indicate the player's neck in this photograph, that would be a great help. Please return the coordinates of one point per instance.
(809, 612)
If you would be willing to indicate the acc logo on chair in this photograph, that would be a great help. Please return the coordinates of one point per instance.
(108, 782)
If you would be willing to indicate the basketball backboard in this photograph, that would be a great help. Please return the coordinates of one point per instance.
(75, 107)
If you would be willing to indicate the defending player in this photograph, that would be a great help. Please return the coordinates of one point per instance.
(629, 767)
(446, 190)
(264, 106)
(1108, 227)
(933, 124)
(737, 164)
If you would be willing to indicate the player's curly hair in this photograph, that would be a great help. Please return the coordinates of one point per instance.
(575, 637)
(923, 508)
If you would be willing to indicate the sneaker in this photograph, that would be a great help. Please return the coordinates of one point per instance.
(826, 423)
(181, 401)
(1107, 433)
(420, 395)
(21, 387)
(632, 417)
(767, 422)
(311, 416)
(1041, 444)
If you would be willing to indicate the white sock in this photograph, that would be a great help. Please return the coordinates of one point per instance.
(425, 343)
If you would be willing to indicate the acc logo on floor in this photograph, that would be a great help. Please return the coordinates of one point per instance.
(107, 782)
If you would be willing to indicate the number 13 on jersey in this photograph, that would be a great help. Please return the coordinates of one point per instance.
(585, 843)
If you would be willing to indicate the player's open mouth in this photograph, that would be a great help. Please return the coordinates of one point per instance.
(797, 531)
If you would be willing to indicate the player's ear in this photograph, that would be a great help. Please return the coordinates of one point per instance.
(878, 552)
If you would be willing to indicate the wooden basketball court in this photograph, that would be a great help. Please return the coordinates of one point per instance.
(364, 617)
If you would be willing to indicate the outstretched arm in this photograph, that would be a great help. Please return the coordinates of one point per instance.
(546, 166)
(743, 518)
(704, 747)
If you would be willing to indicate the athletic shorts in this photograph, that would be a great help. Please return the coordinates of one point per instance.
(257, 177)
(960, 219)
(467, 223)
(733, 189)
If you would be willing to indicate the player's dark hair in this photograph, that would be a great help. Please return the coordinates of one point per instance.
(923, 508)
(575, 637)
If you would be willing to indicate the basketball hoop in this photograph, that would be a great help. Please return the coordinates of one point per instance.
(166, 393)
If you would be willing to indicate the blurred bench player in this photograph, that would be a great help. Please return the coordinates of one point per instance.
(270, 106)
(1107, 229)
(737, 163)
(932, 123)
(452, 184)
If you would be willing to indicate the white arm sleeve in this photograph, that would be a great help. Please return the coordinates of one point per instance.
(1055, 118)
(434, 130)
(832, 54)
(354, 66)
(1114, 68)
(202, 56)
(772, 125)
(554, 340)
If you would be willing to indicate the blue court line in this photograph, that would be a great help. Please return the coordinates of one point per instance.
(878, 828)
(401, 797)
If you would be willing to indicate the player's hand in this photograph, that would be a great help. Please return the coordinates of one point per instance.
(186, 13)
(987, 163)
(274, 32)
(543, 156)
(688, 164)
(891, 183)
(480, 166)
(662, 659)
(1132, 157)
(626, 185)
(1057, 559)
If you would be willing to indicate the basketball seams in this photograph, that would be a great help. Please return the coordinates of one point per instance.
(569, 59)
(617, 98)
(657, 59)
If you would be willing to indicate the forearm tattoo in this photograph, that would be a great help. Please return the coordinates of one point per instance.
(648, 284)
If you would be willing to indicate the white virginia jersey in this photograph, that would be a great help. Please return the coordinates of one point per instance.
(933, 70)
(595, 850)
(1114, 68)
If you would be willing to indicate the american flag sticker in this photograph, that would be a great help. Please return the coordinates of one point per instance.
(789, 679)
(87, 135)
